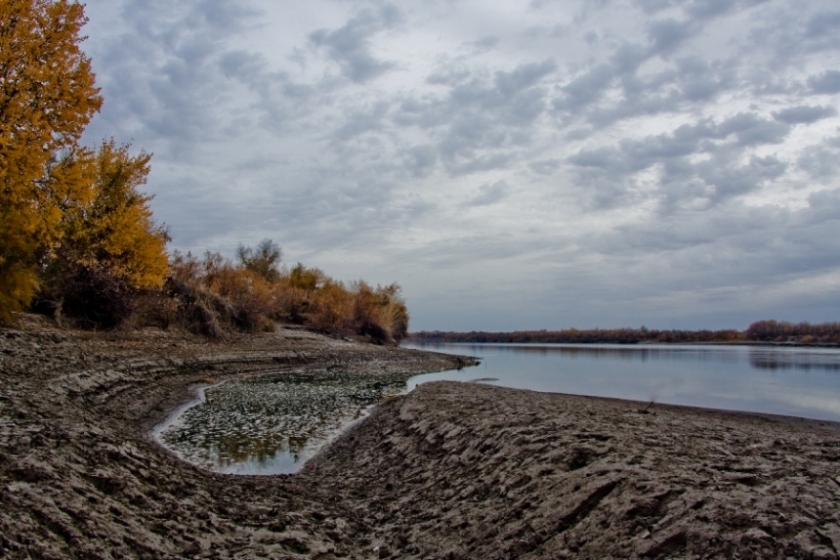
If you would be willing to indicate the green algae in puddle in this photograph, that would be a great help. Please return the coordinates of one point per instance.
(273, 425)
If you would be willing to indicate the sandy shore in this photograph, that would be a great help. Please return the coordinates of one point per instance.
(450, 471)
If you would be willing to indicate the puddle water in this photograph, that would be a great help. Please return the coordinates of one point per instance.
(272, 425)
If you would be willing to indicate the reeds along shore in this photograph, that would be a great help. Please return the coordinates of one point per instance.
(767, 331)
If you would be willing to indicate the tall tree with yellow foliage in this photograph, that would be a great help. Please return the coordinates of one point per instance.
(109, 247)
(111, 226)
(47, 97)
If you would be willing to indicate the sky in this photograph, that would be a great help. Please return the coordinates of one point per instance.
(512, 165)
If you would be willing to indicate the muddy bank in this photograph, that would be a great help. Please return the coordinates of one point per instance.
(450, 471)
(81, 477)
(470, 471)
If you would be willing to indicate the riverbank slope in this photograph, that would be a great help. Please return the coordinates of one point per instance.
(450, 471)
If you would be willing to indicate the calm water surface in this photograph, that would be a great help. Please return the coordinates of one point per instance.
(273, 425)
(793, 381)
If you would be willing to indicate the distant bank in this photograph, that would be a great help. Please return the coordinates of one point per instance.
(766, 331)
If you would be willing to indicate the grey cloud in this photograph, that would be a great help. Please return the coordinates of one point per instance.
(161, 72)
(708, 9)
(486, 44)
(751, 130)
(545, 166)
(668, 34)
(804, 114)
(449, 77)
(654, 6)
(688, 81)
(827, 82)
(820, 33)
(705, 9)
(361, 122)
(585, 89)
(349, 45)
(734, 180)
(603, 158)
(421, 160)
(737, 246)
(628, 57)
(465, 166)
(523, 76)
(279, 97)
(823, 24)
(489, 194)
(477, 123)
(692, 81)
(228, 15)
(525, 107)
(242, 65)
(820, 163)
(700, 81)
(826, 205)
(609, 172)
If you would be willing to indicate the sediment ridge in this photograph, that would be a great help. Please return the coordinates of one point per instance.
(452, 470)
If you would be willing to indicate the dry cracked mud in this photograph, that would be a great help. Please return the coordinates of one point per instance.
(452, 470)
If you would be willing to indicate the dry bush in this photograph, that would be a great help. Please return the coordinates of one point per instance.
(380, 313)
(295, 293)
(155, 308)
(198, 309)
(91, 297)
(377, 314)
(332, 309)
(216, 295)
(251, 297)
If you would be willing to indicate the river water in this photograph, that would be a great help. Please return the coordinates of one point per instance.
(273, 425)
(795, 381)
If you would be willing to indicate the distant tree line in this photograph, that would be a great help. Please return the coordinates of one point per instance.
(761, 331)
(803, 333)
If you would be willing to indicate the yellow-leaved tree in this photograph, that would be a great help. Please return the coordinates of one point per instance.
(112, 226)
(47, 97)
(109, 246)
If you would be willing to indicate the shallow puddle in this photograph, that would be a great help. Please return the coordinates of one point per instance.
(272, 425)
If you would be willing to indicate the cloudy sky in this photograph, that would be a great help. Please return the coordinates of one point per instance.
(512, 165)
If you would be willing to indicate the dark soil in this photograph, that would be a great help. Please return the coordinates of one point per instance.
(452, 470)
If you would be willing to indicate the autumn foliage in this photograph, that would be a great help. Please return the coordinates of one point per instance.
(109, 249)
(216, 295)
(47, 97)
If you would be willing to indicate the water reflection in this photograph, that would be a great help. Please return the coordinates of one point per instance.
(272, 425)
(772, 358)
(804, 361)
(794, 381)
(612, 352)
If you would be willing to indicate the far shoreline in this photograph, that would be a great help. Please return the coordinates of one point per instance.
(642, 343)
